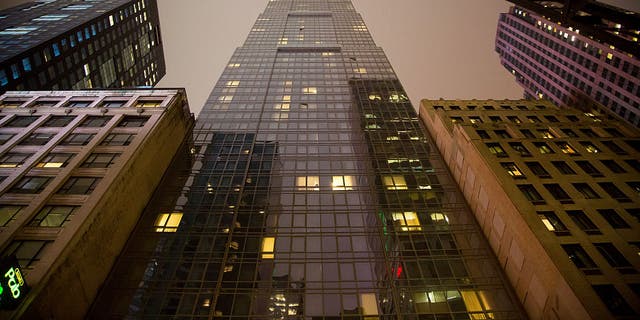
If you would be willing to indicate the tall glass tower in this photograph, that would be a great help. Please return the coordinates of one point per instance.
(314, 194)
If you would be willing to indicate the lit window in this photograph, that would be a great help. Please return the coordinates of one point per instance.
(18, 30)
(148, 103)
(546, 134)
(8, 212)
(268, 244)
(394, 182)
(233, 83)
(13, 160)
(286, 98)
(282, 106)
(326, 54)
(360, 70)
(591, 148)
(308, 183)
(551, 221)
(55, 160)
(77, 7)
(566, 148)
(51, 17)
(310, 90)
(512, 169)
(234, 65)
(438, 217)
(168, 222)
(408, 221)
(374, 97)
(342, 183)
(283, 41)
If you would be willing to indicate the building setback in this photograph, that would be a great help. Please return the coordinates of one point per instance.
(67, 44)
(575, 64)
(77, 168)
(315, 194)
(557, 193)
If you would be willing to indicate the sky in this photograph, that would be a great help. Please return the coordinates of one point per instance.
(438, 48)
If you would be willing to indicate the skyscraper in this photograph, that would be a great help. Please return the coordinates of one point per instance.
(557, 193)
(315, 194)
(583, 55)
(67, 44)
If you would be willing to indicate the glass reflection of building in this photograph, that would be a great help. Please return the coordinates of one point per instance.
(315, 194)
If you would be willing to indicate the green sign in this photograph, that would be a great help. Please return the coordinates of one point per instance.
(13, 287)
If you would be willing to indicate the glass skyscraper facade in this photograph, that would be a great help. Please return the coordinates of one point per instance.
(315, 194)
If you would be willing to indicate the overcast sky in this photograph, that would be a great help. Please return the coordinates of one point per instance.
(438, 48)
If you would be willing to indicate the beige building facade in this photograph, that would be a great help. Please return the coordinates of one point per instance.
(77, 170)
(557, 194)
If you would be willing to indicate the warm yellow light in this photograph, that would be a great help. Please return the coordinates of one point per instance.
(233, 83)
(310, 90)
(268, 243)
(168, 222)
(408, 220)
(342, 183)
(49, 165)
(395, 182)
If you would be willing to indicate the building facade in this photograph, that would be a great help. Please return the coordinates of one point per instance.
(557, 193)
(76, 171)
(66, 44)
(571, 64)
(315, 194)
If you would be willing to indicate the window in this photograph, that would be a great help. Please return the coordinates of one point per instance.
(30, 184)
(51, 17)
(635, 212)
(37, 139)
(475, 120)
(133, 121)
(496, 149)
(482, 134)
(520, 149)
(18, 30)
(614, 257)
(613, 218)
(342, 183)
(308, 183)
(168, 222)
(613, 166)
(78, 104)
(310, 90)
(569, 133)
(407, 221)
(614, 147)
(58, 121)
(614, 192)
(533, 119)
(117, 139)
(77, 139)
(563, 167)
(580, 258)
(502, 134)
(545, 134)
(552, 222)
(28, 252)
(589, 133)
(495, 118)
(100, 160)
(514, 119)
(79, 185)
(635, 144)
(590, 147)
(512, 169)
(635, 186)
(558, 193)
(113, 103)
(543, 148)
(95, 121)
(587, 167)
(531, 193)
(394, 182)
(8, 212)
(21, 121)
(527, 134)
(538, 169)
(586, 190)
(613, 300)
(268, 244)
(4, 137)
(13, 160)
(158, 103)
(456, 119)
(77, 7)
(55, 160)
(52, 216)
(633, 163)
(551, 118)
(583, 222)
(566, 148)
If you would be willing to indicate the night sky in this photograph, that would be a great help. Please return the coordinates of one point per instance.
(438, 48)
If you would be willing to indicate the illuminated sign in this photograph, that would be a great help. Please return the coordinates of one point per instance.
(13, 287)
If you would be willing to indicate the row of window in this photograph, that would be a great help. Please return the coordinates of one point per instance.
(564, 168)
(547, 134)
(555, 224)
(583, 261)
(58, 160)
(558, 193)
(73, 139)
(88, 122)
(73, 185)
(83, 103)
(566, 148)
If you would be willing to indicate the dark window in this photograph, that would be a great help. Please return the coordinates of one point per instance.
(613, 218)
(79, 185)
(58, 121)
(569, 133)
(21, 121)
(613, 132)
(496, 149)
(543, 148)
(113, 104)
(133, 121)
(613, 166)
(519, 148)
(635, 144)
(52, 216)
(635, 212)
(27, 252)
(613, 300)
(4, 137)
(589, 133)
(37, 139)
(551, 119)
(614, 147)
(100, 160)
(531, 193)
(614, 257)
(538, 169)
(45, 103)
(502, 134)
(8, 212)
(558, 193)
(78, 104)
(633, 163)
(495, 119)
(482, 134)
(77, 139)
(581, 259)
(563, 167)
(514, 119)
(533, 119)
(586, 190)
(30, 184)
(13, 160)
(488, 107)
(584, 223)
(587, 167)
(117, 139)
(527, 134)
(613, 191)
(95, 121)
(573, 118)
(55, 160)
(552, 222)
